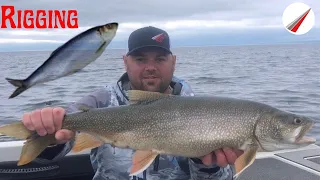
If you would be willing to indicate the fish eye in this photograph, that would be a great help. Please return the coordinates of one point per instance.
(297, 121)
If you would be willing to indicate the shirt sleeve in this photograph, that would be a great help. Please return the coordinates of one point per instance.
(99, 98)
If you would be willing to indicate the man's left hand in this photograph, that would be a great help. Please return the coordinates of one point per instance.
(221, 157)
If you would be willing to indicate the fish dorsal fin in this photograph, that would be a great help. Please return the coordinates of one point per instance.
(245, 160)
(136, 96)
(84, 108)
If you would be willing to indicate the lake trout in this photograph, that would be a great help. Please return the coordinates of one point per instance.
(190, 126)
(69, 58)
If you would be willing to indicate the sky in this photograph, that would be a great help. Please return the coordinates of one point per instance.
(189, 23)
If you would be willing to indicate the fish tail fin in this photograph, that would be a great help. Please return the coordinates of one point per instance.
(16, 129)
(34, 144)
(20, 84)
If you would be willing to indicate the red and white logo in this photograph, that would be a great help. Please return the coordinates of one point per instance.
(298, 18)
(159, 37)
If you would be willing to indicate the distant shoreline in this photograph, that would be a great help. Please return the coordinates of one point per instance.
(178, 47)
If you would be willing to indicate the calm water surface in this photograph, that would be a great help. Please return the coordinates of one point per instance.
(284, 76)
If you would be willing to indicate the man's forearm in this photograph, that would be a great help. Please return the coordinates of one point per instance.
(200, 171)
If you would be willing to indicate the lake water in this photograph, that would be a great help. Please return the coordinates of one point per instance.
(284, 76)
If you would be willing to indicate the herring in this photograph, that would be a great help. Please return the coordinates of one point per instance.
(155, 123)
(70, 57)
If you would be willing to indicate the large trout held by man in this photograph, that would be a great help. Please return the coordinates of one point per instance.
(156, 123)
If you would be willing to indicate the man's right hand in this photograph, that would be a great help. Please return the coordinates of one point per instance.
(48, 121)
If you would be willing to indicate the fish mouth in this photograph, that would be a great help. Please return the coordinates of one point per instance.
(306, 140)
(302, 139)
(112, 25)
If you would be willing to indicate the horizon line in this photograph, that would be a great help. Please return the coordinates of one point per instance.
(186, 46)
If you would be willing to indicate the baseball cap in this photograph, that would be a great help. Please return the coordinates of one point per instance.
(148, 37)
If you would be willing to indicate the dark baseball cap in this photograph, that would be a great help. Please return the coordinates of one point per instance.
(148, 37)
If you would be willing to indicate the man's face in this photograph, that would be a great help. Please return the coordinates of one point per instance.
(150, 69)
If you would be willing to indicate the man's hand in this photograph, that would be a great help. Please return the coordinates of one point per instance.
(48, 121)
(221, 157)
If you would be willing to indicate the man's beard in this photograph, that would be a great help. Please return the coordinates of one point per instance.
(143, 84)
(162, 87)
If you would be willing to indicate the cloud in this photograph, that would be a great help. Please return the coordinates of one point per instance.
(3, 40)
(181, 19)
(100, 11)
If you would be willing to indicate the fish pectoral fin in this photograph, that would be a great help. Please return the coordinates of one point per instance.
(84, 141)
(141, 160)
(245, 160)
(136, 96)
(101, 48)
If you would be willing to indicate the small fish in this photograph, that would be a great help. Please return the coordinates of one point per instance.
(70, 57)
(155, 123)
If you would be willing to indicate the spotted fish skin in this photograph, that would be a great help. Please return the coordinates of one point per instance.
(186, 126)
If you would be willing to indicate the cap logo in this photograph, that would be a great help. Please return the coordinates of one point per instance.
(159, 37)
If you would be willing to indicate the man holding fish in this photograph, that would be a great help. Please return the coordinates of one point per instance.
(150, 66)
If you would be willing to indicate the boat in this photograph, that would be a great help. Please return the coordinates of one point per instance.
(298, 164)
(74, 166)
